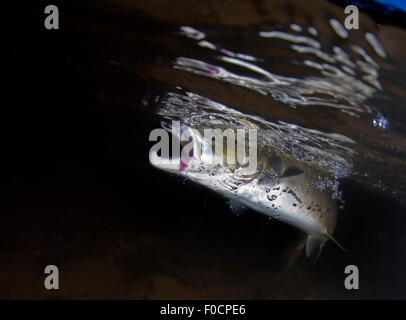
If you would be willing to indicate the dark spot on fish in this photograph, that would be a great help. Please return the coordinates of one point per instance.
(271, 198)
(308, 207)
(327, 209)
(277, 188)
(267, 190)
(295, 196)
(294, 204)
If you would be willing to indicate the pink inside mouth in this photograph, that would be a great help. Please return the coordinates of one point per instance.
(182, 165)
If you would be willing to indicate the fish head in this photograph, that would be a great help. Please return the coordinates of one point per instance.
(200, 156)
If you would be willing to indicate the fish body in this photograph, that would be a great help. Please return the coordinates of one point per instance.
(276, 189)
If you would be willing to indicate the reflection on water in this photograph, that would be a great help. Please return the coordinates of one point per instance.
(342, 82)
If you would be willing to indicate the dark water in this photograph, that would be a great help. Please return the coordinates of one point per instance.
(78, 189)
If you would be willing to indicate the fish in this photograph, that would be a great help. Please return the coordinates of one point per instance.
(301, 158)
(277, 188)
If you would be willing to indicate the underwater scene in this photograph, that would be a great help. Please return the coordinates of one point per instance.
(207, 150)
